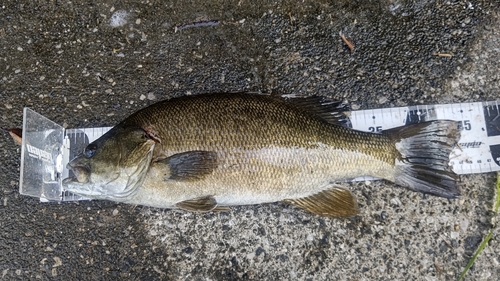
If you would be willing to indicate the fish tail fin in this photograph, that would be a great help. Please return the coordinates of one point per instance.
(424, 156)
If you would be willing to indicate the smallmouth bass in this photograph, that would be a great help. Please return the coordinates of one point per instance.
(207, 152)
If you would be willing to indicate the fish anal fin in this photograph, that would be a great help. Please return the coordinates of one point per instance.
(221, 209)
(190, 165)
(334, 202)
(200, 204)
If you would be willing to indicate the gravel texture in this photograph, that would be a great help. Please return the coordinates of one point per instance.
(89, 64)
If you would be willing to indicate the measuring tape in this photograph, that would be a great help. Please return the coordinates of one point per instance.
(47, 146)
(478, 149)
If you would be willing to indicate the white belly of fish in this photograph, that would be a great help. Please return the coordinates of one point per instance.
(264, 175)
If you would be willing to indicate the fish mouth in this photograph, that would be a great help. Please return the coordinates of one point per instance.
(81, 174)
(79, 183)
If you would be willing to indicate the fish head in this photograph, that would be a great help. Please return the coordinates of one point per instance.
(113, 166)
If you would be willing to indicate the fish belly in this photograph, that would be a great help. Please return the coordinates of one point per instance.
(263, 175)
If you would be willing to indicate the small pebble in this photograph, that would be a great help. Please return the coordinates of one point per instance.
(119, 18)
(58, 262)
(382, 100)
(151, 96)
(395, 201)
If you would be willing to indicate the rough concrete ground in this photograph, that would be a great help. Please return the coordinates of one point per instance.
(65, 61)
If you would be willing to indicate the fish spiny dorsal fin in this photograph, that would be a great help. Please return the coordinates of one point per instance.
(334, 202)
(331, 111)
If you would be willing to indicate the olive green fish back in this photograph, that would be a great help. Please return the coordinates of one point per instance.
(249, 121)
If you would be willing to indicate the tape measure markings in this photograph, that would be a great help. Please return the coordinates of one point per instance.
(479, 122)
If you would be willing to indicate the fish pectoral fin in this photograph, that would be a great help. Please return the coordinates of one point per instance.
(200, 204)
(190, 165)
(333, 202)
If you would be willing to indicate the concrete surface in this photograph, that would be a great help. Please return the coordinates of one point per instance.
(66, 61)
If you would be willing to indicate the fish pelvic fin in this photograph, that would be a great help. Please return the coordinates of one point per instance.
(201, 204)
(423, 164)
(333, 202)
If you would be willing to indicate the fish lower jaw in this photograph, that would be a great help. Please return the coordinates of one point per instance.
(85, 193)
(72, 185)
(96, 194)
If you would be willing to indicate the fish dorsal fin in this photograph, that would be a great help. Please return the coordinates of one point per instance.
(200, 204)
(190, 165)
(331, 111)
(334, 202)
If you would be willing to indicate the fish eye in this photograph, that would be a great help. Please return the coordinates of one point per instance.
(90, 150)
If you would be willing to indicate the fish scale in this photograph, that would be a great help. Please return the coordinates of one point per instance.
(284, 124)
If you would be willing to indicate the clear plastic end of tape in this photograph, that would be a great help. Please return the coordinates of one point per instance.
(46, 149)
